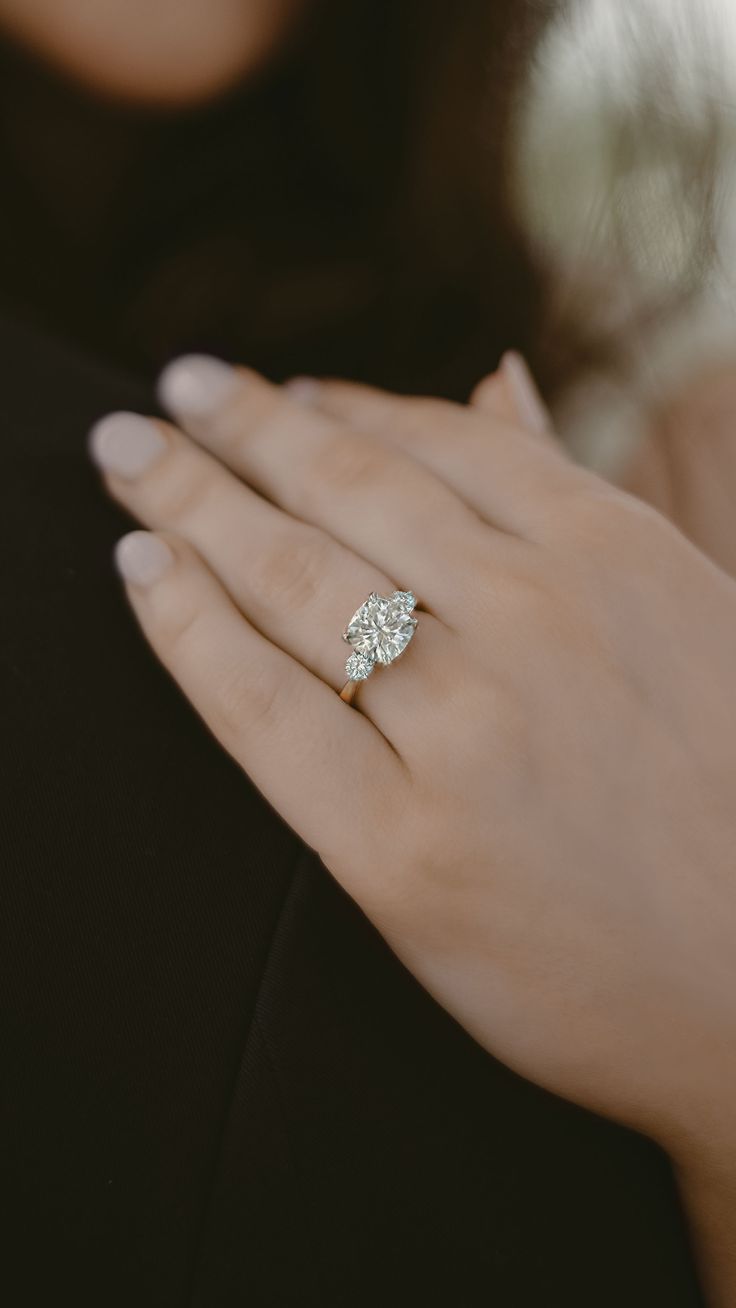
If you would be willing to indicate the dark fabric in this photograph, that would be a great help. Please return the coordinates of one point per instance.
(218, 1085)
(338, 213)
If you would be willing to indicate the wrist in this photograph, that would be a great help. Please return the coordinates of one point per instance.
(707, 1186)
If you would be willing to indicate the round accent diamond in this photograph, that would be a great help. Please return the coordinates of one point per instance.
(358, 667)
(405, 599)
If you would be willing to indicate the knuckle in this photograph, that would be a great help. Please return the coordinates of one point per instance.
(346, 462)
(243, 700)
(182, 490)
(404, 889)
(610, 530)
(180, 629)
(417, 417)
(522, 600)
(536, 611)
(425, 844)
(591, 510)
(244, 415)
(542, 604)
(551, 615)
(292, 571)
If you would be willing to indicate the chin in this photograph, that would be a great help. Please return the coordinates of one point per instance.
(159, 53)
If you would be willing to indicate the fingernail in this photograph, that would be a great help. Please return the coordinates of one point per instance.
(529, 403)
(304, 390)
(126, 444)
(196, 385)
(141, 557)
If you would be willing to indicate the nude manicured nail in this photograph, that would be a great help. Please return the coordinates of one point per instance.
(529, 403)
(126, 444)
(196, 385)
(305, 390)
(142, 558)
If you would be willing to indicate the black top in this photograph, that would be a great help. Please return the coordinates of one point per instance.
(218, 1085)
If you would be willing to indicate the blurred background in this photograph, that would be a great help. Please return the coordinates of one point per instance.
(393, 190)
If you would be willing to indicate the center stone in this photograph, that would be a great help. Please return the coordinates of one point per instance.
(382, 628)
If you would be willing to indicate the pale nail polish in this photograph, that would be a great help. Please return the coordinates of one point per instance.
(141, 558)
(126, 444)
(305, 390)
(196, 385)
(529, 403)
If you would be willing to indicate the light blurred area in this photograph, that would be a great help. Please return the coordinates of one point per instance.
(624, 166)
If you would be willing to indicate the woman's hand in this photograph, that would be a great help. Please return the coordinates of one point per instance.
(536, 805)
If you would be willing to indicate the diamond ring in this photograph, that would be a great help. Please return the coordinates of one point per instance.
(379, 632)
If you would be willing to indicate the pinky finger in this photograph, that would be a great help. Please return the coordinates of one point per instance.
(312, 756)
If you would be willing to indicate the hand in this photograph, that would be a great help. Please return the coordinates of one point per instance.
(536, 805)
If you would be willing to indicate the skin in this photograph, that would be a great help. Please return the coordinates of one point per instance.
(542, 790)
(167, 52)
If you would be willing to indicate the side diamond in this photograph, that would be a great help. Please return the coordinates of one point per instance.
(405, 599)
(358, 667)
